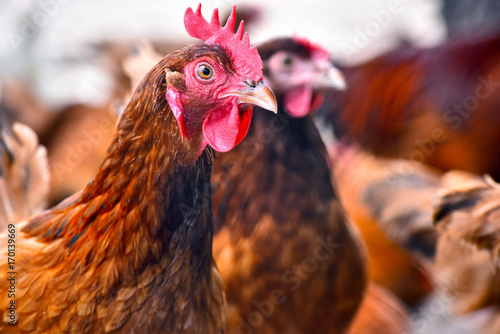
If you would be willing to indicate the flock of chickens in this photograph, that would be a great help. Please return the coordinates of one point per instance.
(359, 198)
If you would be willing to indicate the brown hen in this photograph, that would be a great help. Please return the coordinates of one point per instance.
(132, 252)
(290, 260)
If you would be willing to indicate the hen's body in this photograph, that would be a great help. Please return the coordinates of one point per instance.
(290, 261)
(132, 252)
(136, 239)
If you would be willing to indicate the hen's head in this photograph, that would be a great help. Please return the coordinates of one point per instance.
(299, 71)
(211, 87)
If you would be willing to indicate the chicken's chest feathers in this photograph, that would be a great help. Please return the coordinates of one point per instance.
(136, 270)
(274, 206)
(280, 169)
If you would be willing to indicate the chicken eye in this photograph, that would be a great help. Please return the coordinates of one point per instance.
(205, 72)
(287, 62)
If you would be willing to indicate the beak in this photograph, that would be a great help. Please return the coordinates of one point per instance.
(258, 94)
(329, 76)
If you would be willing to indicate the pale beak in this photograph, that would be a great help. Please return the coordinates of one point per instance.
(329, 77)
(258, 94)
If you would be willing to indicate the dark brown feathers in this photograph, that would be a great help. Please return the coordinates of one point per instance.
(282, 242)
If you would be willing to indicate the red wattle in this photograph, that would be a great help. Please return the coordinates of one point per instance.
(224, 129)
(298, 101)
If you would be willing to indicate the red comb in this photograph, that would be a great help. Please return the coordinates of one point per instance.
(238, 43)
(312, 47)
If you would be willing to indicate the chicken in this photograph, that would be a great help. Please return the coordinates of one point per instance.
(467, 215)
(132, 252)
(437, 106)
(289, 259)
(24, 177)
(379, 190)
(390, 200)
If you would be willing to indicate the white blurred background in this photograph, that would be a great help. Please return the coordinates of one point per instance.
(54, 44)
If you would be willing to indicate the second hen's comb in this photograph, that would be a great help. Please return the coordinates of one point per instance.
(244, 56)
(314, 48)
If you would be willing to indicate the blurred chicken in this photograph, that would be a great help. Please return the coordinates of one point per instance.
(467, 216)
(24, 178)
(397, 194)
(290, 260)
(438, 106)
(142, 56)
(391, 203)
(132, 252)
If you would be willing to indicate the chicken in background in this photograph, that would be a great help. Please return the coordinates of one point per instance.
(396, 194)
(24, 177)
(133, 250)
(438, 105)
(276, 212)
(391, 203)
(467, 216)
(76, 136)
(141, 57)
